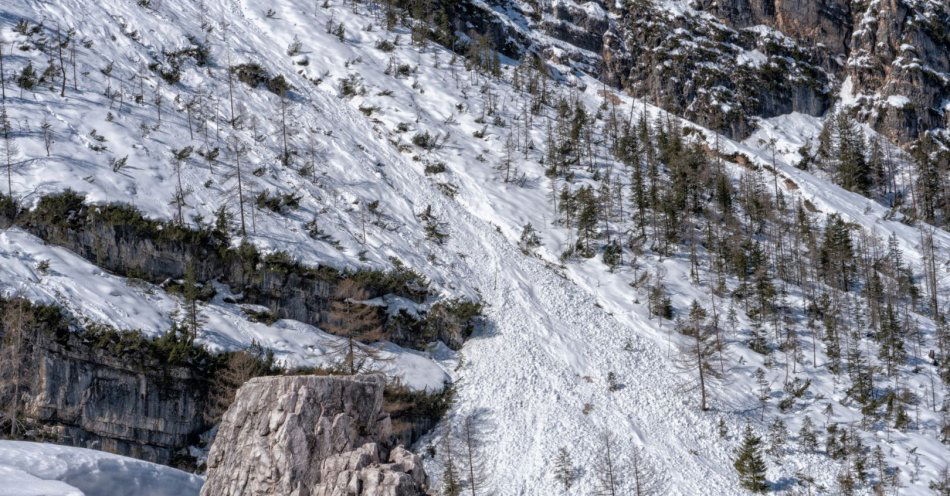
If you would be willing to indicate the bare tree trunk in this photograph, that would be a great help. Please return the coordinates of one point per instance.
(62, 63)
(237, 157)
(702, 376)
(283, 127)
(609, 480)
(231, 91)
(3, 76)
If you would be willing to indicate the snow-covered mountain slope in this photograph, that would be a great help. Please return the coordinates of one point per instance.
(35, 469)
(87, 291)
(569, 349)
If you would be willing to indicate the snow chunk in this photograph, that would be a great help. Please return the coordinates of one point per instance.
(898, 101)
(39, 469)
(752, 58)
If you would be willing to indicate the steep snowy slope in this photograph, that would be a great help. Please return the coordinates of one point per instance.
(569, 349)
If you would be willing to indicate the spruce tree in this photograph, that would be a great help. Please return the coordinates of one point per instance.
(750, 464)
(564, 472)
(777, 437)
(853, 173)
(807, 438)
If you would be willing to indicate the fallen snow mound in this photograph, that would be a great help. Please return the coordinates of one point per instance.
(37, 469)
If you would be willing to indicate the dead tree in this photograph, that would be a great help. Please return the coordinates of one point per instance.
(607, 469)
(644, 479)
(472, 438)
(178, 158)
(10, 149)
(697, 352)
(359, 324)
(238, 150)
(15, 361)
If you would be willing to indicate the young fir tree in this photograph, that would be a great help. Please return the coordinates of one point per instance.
(564, 471)
(853, 172)
(529, 239)
(191, 294)
(750, 464)
(778, 433)
(807, 438)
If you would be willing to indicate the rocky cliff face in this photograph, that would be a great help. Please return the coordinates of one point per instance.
(893, 56)
(119, 239)
(90, 399)
(83, 391)
(310, 436)
(723, 63)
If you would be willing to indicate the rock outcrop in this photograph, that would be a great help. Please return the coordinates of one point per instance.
(120, 239)
(93, 400)
(723, 63)
(101, 394)
(310, 436)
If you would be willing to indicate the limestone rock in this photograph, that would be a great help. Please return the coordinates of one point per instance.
(88, 397)
(310, 436)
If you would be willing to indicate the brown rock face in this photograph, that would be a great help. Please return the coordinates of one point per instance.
(817, 21)
(310, 436)
(894, 52)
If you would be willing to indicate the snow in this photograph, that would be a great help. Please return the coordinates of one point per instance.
(35, 469)
(898, 101)
(90, 293)
(752, 58)
(846, 94)
(537, 370)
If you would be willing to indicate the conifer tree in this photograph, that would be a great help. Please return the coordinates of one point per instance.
(564, 471)
(806, 435)
(749, 463)
(852, 173)
(777, 437)
(191, 293)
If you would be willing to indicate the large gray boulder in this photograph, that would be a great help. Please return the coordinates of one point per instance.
(310, 436)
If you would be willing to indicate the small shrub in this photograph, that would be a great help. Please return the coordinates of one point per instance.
(43, 266)
(278, 202)
(436, 168)
(423, 140)
(385, 46)
(27, 78)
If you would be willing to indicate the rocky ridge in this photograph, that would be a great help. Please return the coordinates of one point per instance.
(725, 63)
